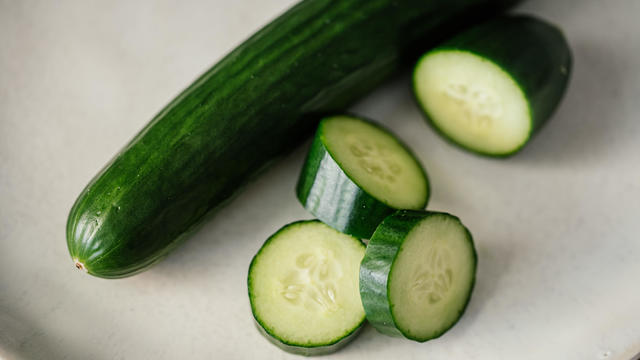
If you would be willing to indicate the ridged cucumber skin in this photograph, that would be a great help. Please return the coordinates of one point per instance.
(333, 197)
(376, 268)
(323, 349)
(532, 51)
(253, 106)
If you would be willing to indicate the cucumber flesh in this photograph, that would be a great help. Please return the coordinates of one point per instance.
(473, 101)
(417, 274)
(376, 161)
(303, 288)
(431, 278)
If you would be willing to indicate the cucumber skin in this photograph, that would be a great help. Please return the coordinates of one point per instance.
(330, 195)
(377, 265)
(282, 344)
(253, 106)
(310, 351)
(531, 51)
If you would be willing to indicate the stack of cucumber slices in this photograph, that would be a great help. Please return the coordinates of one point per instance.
(313, 283)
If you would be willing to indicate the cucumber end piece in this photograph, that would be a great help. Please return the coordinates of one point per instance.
(472, 102)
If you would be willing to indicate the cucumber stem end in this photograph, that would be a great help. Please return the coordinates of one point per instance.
(80, 265)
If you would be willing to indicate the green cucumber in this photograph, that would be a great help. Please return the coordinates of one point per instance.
(357, 173)
(255, 105)
(417, 274)
(490, 88)
(303, 288)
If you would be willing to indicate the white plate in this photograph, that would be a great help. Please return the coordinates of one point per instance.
(556, 226)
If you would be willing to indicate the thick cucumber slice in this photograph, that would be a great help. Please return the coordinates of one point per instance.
(417, 274)
(357, 173)
(303, 288)
(491, 87)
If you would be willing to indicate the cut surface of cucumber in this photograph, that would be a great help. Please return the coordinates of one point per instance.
(491, 87)
(473, 100)
(357, 173)
(303, 288)
(430, 280)
(417, 274)
(375, 160)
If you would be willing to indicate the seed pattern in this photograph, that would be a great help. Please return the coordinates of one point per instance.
(312, 282)
(433, 278)
(375, 159)
(480, 108)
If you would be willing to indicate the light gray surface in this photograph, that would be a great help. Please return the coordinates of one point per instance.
(556, 226)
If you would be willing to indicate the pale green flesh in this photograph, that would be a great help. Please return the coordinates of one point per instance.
(304, 285)
(431, 277)
(375, 161)
(473, 101)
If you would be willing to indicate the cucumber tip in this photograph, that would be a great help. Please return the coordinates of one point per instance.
(80, 265)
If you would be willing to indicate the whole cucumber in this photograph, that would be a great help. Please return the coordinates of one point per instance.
(257, 103)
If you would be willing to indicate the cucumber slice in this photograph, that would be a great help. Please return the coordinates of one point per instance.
(357, 173)
(417, 274)
(303, 288)
(491, 87)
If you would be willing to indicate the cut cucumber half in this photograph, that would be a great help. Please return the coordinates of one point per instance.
(357, 173)
(417, 274)
(303, 288)
(491, 87)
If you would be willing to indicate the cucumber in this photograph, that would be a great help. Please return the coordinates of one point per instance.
(417, 274)
(490, 88)
(357, 173)
(303, 288)
(255, 105)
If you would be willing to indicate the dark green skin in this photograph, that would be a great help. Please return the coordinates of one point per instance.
(328, 193)
(535, 54)
(377, 265)
(255, 105)
(267, 332)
